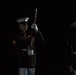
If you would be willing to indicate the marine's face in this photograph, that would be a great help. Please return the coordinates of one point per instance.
(23, 27)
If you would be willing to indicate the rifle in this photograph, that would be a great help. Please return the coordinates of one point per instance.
(35, 16)
(32, 59)
(34, 21)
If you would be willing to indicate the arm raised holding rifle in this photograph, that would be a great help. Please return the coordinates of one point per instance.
(34, 25)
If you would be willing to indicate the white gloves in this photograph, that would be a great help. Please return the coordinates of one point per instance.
(35, 27)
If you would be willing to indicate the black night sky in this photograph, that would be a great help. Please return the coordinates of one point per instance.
(54, 22)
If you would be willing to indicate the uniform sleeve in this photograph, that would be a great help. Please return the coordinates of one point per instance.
(39, 42)
(14, 44)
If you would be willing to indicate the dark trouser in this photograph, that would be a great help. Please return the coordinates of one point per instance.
(26, 71)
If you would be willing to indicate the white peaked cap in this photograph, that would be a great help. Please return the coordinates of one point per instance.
(25, 19)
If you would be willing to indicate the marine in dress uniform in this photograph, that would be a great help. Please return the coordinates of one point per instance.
(24, 46)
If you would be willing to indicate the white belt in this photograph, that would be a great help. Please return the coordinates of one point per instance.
(30, 52)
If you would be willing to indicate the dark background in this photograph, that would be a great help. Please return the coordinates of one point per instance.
(53, 20)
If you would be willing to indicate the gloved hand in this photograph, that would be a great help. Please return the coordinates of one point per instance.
(35, 27)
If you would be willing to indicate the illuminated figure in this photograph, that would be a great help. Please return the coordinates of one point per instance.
(24, 44)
